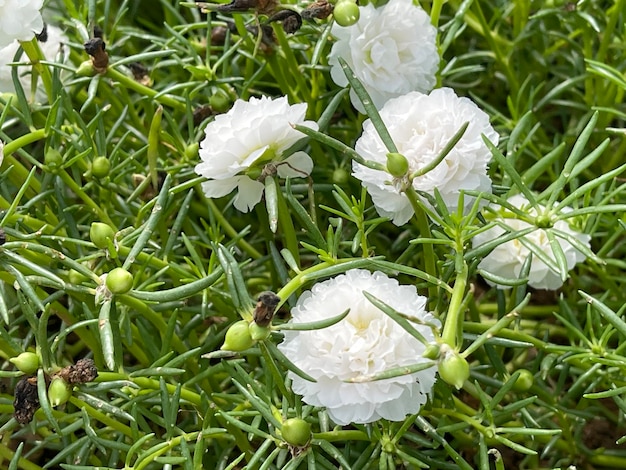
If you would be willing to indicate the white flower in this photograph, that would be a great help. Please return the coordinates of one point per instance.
(421, 126)
(391, 50)
(251, 135)
(367, 342)
(19, 19)
(49, 48)
(506, 259)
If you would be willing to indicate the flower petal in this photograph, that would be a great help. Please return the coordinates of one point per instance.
(298, 165)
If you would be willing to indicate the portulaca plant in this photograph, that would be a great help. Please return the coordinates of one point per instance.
(312, 234)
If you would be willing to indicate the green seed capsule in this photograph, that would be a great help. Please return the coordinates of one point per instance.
(346, 13)
(524, 381)
(119, 281)
(100, 167)
(58, 392)
(101, 234)
(238, 337)
(259, 333)
(454, 369)
(296, 432)
(27, 362)
(397, 164)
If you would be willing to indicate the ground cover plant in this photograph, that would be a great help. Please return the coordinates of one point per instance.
(312, 235)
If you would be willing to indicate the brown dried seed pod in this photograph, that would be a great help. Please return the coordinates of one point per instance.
(83, 371)
(320, 10)
(26, 400)
(264, 310)
(99, 58)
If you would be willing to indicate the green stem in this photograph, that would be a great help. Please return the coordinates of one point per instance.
(151, 384)
(450, 328)
(335, 436)
(430, 265)
(144, 90)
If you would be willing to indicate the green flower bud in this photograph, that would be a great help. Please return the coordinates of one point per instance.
(524, 381)
(101, 234)
(238, 337)
(53, 160)
(397, 164)
(259, 333)
(100, 167)
(85, 69)
(219, 102)
(119, 281)
(191, 151)
(346, 13)
(454, 369)
(340, 176)
(433, 351)
(58, 392)
(296, 432)
(27, 362)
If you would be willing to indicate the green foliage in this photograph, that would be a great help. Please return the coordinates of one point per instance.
(546, 387)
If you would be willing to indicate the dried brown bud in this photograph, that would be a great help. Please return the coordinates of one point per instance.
(83, 371)
(290, 20)
(99, 58)
(140, 73)
(26, 400)
(264, 310)
(320, 10)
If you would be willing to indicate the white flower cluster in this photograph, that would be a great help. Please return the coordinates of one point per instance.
(366, 343)
(391, 50)
(19, 19)
(248, 137)
(507, 259)
(421, 126)
(50, 48)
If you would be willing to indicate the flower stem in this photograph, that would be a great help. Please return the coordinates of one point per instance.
(430, 265)
(144, 90)
(450, 328)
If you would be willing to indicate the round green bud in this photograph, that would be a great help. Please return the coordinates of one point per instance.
(340, 176)
(432, 351)
(58, 392)
(238, 337)
(296, 432)
(119, 281)
(191, 151)
(100, 167)
(27, 362)
(259, 333)
(53, 159)
(524, 381)
(454, 369)
(219, 102)
(346, 13)
(101, 234)
(397, 164)
(86, 69)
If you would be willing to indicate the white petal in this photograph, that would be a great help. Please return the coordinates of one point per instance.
(218, 188)
(297, 165)
(249, 194)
